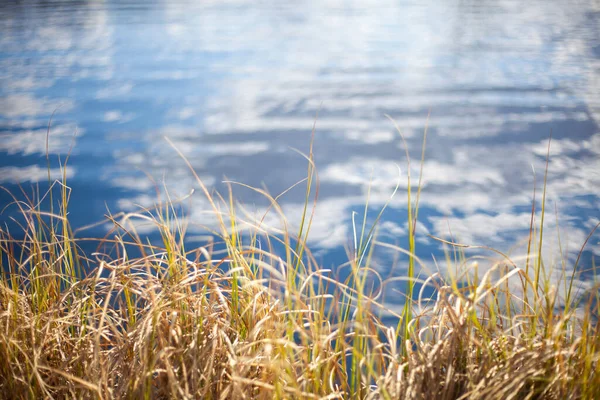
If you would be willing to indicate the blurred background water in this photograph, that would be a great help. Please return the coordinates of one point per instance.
(236, 85)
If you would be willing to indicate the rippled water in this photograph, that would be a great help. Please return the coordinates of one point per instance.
(237, 84)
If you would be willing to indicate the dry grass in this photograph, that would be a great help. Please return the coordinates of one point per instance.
(249, 322)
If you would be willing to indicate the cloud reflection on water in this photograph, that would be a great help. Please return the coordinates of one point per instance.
(235, 85)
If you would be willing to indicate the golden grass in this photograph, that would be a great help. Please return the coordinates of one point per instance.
(248, 322)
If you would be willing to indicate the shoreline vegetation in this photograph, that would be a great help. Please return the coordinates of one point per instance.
(237, 319)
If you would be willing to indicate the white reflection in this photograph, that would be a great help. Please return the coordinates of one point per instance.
(19, 105)
(33, 174)
(39, 141)
(118, 117)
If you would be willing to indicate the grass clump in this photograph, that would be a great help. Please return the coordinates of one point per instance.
(239, 318)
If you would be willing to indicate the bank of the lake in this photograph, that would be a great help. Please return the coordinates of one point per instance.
(252, 322)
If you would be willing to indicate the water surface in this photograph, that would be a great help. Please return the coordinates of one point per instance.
(236, 85)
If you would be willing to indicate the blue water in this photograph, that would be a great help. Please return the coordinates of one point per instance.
(236, 85)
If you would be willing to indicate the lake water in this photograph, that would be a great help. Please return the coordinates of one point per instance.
(236, 85)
